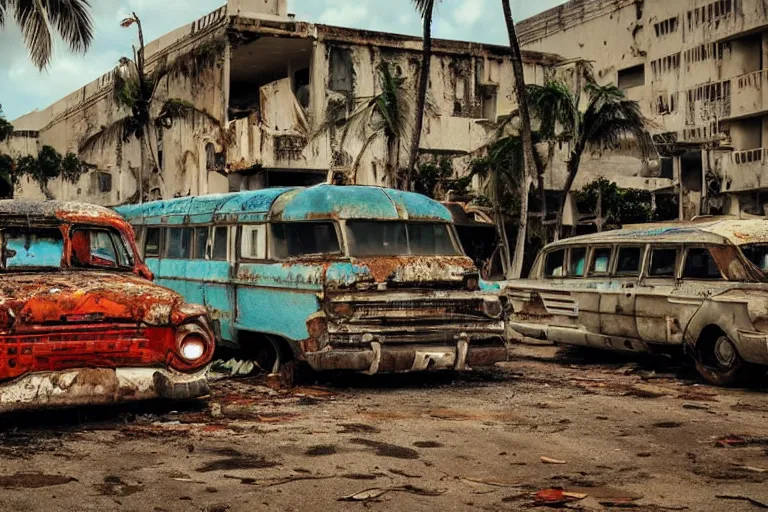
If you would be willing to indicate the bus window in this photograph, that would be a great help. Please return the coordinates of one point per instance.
(630, 261)
(555, 264)
(201, 243)
(152, 242)
(178, 243)
(295, 239)
(663, 262)
(601, 258)
(254, 242)
(220, 243)
(578, 262)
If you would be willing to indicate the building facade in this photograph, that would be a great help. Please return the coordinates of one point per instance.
(699, 70)
(280, 102)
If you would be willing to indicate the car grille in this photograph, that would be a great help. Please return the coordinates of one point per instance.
(434, 311)
(65, 347)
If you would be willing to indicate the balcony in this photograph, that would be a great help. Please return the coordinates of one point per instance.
(746, 171)
(749, 94)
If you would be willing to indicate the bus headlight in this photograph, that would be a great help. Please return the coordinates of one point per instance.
(493, 308)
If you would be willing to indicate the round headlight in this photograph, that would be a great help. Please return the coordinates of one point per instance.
(493, 308)
(192, 347)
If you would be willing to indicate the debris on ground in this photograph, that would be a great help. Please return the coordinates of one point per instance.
(553, 497)
(548, 460)
(753, 501)
(739, 441)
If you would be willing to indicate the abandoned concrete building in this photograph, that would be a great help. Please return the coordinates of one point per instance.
(280, 102)
(700, 71)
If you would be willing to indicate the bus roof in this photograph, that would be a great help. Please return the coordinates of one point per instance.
(291, 204)
(713, 231)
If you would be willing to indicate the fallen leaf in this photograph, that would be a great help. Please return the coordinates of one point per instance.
(547, 460)
(366, 495)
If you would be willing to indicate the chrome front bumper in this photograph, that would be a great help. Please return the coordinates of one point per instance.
(89, 386)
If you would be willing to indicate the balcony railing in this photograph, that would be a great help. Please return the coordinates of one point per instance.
(749, 93)
(748, 156)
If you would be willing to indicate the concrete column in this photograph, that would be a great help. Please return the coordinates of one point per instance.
(677, 169)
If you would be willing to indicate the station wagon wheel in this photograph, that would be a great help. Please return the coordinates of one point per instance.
(718, 361)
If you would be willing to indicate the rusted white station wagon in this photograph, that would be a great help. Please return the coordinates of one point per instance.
(657, 288)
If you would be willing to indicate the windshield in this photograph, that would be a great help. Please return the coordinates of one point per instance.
(757, 254)
(43, 249)
(32, 249)
(369, 238)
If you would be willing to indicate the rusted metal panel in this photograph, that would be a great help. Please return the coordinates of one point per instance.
(71, 317)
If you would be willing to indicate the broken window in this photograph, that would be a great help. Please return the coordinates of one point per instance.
(632, 77)
(105, 181)
(201, 243)
(629, 261)
(152, 243)
(757, 254)
(99, 248)
(699, 264)
(220, 243)
(254, 242)
(555, 264)
(296, 239)
(663, 263)
(178, 243)
(342, 72)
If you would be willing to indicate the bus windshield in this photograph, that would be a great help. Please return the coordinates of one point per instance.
(371, 238)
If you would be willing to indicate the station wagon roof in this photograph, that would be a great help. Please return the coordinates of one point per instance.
(297, 204)
(37, 211)
(708, 231)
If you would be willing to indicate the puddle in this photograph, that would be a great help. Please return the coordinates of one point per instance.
(388, 450)
(321, 450)
(427, 444)
(33, 481)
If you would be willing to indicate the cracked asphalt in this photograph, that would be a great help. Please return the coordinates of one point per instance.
(564, 428)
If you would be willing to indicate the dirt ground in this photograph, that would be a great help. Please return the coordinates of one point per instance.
(612, 433)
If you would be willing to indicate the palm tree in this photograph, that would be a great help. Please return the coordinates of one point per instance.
(529, 162)
(386, 114)
(426, 8)
(609, 119)
(40, 19)
(135, 89)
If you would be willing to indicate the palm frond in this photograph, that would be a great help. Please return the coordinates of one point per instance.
(425, 6)
(73, 22)
(35, 28)
(612, 119)
(553, 104)
(3, 7)
(106, 134)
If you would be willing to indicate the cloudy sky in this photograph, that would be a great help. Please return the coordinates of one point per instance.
(23, 88)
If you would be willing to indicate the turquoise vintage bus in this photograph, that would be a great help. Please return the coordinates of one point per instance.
(340, 278)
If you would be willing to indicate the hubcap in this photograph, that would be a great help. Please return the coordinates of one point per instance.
(725, 352)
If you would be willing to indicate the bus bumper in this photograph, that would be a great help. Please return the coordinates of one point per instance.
(378, 358)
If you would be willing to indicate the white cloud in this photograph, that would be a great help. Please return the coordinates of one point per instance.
(345, 16)
(24, 88)
(469, 12)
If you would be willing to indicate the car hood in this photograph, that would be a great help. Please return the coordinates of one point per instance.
(88, 297)
(408, 270)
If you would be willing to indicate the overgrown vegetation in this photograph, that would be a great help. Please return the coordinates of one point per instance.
(436, 179)
(614, 207)
(384, 115)
(47, 166)
(6, 128)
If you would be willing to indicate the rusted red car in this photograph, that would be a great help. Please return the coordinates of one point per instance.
(80, 320)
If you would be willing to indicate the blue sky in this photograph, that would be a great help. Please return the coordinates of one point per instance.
(23, 88)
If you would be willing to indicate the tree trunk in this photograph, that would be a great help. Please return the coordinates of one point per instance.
(573, 169)
(529, 163)
(501, 227)
(421, 99)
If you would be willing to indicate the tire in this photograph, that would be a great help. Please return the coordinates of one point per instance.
(719, 363)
